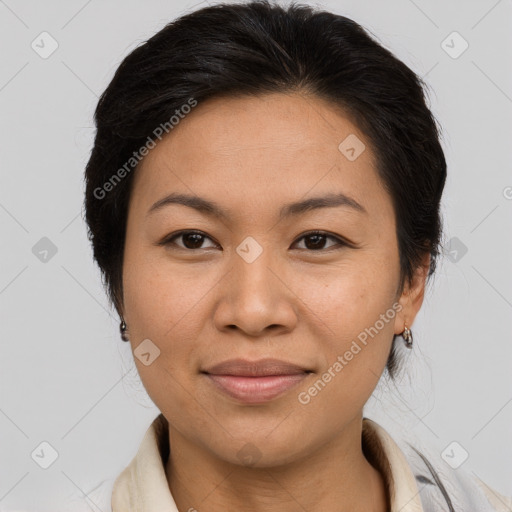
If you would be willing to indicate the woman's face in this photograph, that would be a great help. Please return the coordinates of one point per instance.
(255, 283)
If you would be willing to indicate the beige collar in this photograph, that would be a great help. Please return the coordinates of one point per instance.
(143, 487)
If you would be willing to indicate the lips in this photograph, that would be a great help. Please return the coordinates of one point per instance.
(260, 368)
(254, 382)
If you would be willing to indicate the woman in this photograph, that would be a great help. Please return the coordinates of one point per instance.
(263, 201)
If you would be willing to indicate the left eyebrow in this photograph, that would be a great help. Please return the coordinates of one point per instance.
(291, 209)
(328, 201)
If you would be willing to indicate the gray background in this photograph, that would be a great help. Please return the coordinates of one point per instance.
(65, 376)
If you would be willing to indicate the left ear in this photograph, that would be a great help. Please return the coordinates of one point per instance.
(412, 296)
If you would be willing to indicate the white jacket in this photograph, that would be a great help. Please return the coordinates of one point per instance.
(415, 485)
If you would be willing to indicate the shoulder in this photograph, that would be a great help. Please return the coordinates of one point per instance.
(94, 496)
(442, 487)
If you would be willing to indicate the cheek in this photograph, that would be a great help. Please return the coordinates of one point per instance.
(165, 309)
(160, 297)
(355, 306)
(360, 318)
(352, 295)
(167, 305)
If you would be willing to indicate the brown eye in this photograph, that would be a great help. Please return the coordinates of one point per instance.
(316, 240)
(191, 240)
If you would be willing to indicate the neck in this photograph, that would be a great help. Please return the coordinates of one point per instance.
(335, 478)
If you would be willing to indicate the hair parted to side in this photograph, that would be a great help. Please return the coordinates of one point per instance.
(253, 49)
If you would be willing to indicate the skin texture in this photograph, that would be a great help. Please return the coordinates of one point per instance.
(299, 302)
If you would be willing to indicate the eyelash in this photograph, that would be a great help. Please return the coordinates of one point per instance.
(168, 241)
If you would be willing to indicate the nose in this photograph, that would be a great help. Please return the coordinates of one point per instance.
(256, 297)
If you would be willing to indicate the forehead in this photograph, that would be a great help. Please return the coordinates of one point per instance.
(288, 123)
(267, 147)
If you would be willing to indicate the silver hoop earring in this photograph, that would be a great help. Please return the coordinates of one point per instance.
(407, 336)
